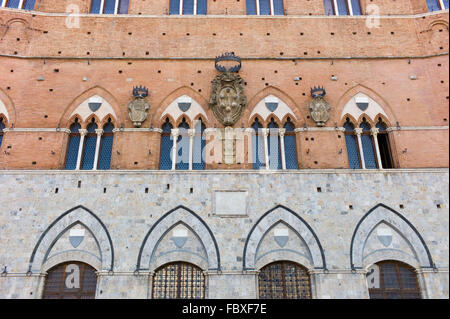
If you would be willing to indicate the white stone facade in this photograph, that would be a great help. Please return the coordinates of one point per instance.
(336, 223)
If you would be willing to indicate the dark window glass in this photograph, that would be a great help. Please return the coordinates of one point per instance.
(89, 147)
(13, 4)
(174, 7)
(445, 4)
(201, 6)
(342, 7)
(356, 8)
(329, 7)
(29, 4)
(367, 145)
(109, 6)
(384, 146)
(2, 126)
(178, 281)
(95, 6)
(106, 143)
(251, 7)
(284, 280)
(396, 281)
(188, 7)
(278, 7)
(257, 146)
(198, 161)
(72, 280)
(352, 146)
(73, 146)
(290, 147)
(264, 7)
(273, 146)
(183, 146)
(165, 161)
(123, 6)
(433, 5)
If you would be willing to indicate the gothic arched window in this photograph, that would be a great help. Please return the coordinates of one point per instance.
(187, 7)
(342, 7)
(18, 4)
(73, 145)
(273, 145)
(384, 146)
(198, 162)
(436, 5)
(183, 146)
(284, 280)
(165, 161)
(90, 143)
(257, 145)
(71, 280)
(367, 145)
(109, 6)
(393, 280)
(106, 143)
(265, 7)
(290, 146)
(2, 126)
(178, 280)
(352, 145)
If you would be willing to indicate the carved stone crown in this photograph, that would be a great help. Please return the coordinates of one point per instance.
(228, 56)
(140, 91)
(318, 91)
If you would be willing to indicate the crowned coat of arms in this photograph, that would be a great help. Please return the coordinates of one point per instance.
(319, 107)
(138, 107)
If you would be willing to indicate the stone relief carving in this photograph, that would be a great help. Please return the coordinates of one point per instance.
(319, 107)
(227, 99)
(138, 107)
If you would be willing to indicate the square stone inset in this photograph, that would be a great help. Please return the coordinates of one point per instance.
(230, 203)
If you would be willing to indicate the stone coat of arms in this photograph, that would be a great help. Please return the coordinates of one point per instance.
(138, 107)
(319, 107)
(227, 99)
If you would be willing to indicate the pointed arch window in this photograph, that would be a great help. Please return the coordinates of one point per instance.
(2, 126)
(273, 145)
(352, 145)
(165, 160)
(106, 144)
(109, 6)
(384, 146)
(265, 7)
(393, 280)
(18, 4)
(368, 145)
(73, 145)
(342, 7)
(183, 146)
(198, 161)
(187, 7)
(178, 280)
(90, 143)
(257, 145)
(290, 145)
(284, 280)
(436, 5)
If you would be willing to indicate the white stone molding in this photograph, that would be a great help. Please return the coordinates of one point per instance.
(265, 132)
(136, 129)
(83, 132)
(174, 133)
(191, 133)
(375, 216)
(294, 221)
(281, 132)
(358, 132)
(37, 130)
(374, 131)
(75, 215)
(179, 215)
(99, 133)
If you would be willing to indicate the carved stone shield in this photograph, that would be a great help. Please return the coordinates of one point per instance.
(319, 108)
(138, 111)
(227, 98)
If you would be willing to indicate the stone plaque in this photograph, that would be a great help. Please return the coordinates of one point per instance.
(230, 203)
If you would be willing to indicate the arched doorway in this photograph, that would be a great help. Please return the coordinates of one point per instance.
(70, 280)
(392, 280)
(179, 280)
(284, 280)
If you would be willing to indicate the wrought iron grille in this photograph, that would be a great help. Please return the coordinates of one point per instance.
(397, 281)
(72, 148)
(178, 280)
(71, 280)
(284, 280)
(198, 147)
(183, 146)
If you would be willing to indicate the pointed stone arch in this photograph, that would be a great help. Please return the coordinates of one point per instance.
(113, 106)
(88, 219)
(341, 110)
(298, 224)
(382, 213)
(7, 108)
(248, 115)
(168, 221)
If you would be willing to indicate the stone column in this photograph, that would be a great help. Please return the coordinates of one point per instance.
(175, 132)
(265, 132)
(191, 133)
(358, 132)
(97, 147)
(83, 133)
(374, 131)
(281, 132)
